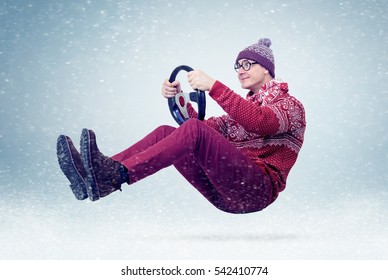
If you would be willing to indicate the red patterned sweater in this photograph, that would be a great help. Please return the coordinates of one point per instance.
(267, 126)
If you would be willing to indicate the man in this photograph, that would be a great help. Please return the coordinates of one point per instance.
(239, 161)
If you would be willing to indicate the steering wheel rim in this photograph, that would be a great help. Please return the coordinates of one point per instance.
(178, 103)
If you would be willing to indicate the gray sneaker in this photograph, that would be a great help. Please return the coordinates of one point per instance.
(69, 160)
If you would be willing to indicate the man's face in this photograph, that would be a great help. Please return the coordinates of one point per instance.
(253, 78)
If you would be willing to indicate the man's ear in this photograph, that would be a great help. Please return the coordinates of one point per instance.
(266, 71)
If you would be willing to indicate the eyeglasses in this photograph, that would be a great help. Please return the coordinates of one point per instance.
(246, 65)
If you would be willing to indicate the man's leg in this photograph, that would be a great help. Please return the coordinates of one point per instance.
(151, 139)
(225, 176)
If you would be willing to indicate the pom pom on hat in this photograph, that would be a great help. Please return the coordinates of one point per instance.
(265, 41)
(261, 53)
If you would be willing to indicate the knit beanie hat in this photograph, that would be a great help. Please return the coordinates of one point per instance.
(261, 53)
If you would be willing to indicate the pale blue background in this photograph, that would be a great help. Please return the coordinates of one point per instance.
(66, 65)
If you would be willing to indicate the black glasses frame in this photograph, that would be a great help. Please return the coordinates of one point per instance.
(246, 65)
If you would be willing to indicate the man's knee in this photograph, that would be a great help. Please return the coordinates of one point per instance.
(193, 122)
(165, 129)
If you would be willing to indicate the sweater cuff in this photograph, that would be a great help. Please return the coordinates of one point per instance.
(217, 90)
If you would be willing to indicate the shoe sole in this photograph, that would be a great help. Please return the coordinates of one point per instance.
(86, 156)
(68, 167)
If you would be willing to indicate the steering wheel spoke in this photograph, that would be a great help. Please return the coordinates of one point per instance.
(181, 100)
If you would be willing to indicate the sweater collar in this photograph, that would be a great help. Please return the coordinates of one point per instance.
(269, 91)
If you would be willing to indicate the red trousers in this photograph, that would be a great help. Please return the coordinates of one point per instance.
(218, 170)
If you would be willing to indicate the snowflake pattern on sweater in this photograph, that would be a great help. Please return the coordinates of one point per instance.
(267, 126)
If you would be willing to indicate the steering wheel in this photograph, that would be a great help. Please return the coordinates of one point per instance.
(178, 103)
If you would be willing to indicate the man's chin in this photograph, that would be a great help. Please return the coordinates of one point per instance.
(244, 86)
